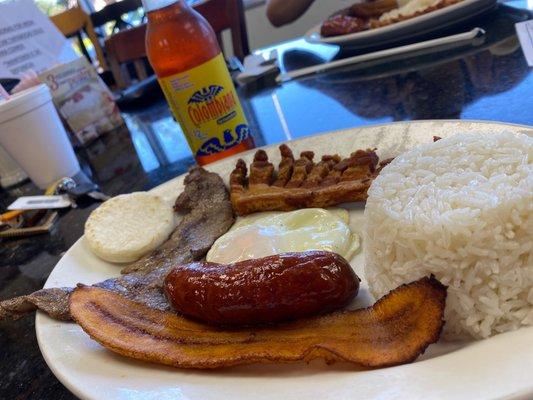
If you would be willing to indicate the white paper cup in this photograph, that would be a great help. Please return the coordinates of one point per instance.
(32, 133)
(10, 172)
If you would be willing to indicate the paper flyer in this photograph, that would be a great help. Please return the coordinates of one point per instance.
(29, 40)
(82, 99)
(524, 31)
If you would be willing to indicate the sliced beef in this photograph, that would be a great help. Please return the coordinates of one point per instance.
(209, 215)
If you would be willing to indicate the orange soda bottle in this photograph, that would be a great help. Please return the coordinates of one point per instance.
(185, 55)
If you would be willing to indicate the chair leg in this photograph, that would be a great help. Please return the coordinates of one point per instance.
(83, 49)
(220, 42)
(140, 69)
(91, 34)
(239, 34)
(117, 72)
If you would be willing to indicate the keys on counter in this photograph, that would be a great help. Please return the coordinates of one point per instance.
(32, 215)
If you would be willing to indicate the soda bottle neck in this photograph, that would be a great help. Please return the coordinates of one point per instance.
(152, 5)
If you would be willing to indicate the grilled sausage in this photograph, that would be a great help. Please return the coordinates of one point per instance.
(262, 291)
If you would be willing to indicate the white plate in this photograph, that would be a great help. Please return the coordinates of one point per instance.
(497, 368)
(404, 29)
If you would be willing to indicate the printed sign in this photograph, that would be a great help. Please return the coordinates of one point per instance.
(82, 99)
(29, 40)
(525, 34)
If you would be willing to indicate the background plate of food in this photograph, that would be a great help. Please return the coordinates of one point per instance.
(386, 21)
(453, 208)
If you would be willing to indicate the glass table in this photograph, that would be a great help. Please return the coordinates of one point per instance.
(487, 79)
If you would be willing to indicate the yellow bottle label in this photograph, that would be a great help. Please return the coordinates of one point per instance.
(205, 103)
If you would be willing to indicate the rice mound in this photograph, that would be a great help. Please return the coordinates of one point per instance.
(460, 209)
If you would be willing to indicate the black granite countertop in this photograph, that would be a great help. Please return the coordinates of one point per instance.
(486, 81)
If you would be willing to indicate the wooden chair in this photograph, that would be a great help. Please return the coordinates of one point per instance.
(128, 46)
(74, 21)
(227, 14)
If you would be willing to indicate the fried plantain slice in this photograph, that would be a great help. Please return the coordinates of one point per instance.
(395, 330)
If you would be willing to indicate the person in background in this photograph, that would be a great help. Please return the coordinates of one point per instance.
(282, 12)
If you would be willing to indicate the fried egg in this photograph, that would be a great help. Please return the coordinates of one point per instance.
(264, 234)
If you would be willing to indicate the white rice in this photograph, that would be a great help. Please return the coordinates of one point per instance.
(461, 209)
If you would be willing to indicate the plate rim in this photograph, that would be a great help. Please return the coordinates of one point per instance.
(338, 131)
(40, 317)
